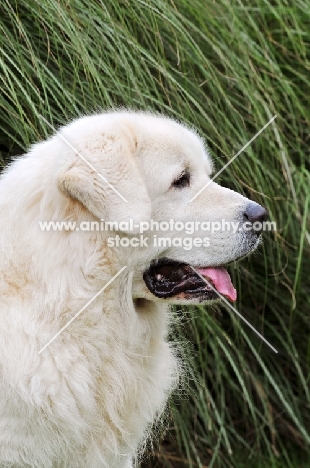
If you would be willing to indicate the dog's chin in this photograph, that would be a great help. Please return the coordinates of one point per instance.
(179, 282)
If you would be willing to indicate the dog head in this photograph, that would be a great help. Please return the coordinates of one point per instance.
(152, 178)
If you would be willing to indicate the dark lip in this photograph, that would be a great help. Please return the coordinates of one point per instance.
(169, 261)
(183, 281)
(165, 261)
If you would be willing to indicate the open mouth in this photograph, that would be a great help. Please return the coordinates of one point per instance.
(169, 278)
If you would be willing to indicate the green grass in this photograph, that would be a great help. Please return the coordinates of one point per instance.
(226, 68)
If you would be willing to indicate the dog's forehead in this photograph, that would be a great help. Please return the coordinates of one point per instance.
(172, 144)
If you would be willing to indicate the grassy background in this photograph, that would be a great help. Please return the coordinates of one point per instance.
(227, 68)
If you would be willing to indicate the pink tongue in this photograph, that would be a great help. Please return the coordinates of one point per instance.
(221, 281)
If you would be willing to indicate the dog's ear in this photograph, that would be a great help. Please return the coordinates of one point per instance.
(103, 175)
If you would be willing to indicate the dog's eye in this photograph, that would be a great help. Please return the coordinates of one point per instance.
(183, 180)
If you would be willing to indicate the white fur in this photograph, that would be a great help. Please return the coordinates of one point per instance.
(89, 399)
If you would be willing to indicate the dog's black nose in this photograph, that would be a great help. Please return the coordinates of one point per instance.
(256, 213)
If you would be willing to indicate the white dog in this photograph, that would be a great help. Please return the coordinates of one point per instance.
(90, 397)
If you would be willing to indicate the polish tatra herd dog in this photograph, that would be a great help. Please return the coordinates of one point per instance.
(89, 399)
